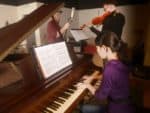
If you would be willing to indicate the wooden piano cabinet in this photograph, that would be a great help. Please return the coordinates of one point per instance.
(8, 74)
(35, 97)
(29, 71)
(146, 91)
(24, 65)
(143, 91)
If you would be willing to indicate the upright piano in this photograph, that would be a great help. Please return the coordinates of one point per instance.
(30, 94)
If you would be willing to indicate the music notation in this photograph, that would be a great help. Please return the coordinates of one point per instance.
(52, 58)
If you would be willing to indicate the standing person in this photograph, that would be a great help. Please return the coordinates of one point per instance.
(111, 19)
(114, 86)
(54, 31)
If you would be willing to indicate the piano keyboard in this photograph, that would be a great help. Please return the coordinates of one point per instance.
(66, 99)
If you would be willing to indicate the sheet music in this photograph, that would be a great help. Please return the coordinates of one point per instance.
(89, 33)
(82, 34)
(52, 58)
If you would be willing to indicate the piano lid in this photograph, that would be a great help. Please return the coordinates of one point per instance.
(14, 34)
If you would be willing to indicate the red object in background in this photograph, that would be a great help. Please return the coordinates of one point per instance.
(100, 19)
(89, 49)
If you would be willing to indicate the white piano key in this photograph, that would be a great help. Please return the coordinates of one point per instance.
(49, 109)
(71, 99)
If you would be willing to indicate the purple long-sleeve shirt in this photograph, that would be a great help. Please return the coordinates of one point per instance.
(115, 85)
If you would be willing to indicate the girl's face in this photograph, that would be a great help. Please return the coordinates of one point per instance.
(102, 51)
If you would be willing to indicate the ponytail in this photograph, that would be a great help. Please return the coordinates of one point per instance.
(111, 40)
(122, 51)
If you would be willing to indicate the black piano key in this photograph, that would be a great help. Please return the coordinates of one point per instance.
(57, 103)
(73, 90)
(49, 109)
(52, 106)
(64, 99)
(69, 94)
(59, 100)
(64, 95)
(70, 91)
(73, 87)
(46, 111)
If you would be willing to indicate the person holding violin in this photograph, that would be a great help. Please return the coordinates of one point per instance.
(111, 19)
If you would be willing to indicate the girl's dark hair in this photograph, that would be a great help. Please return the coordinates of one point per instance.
(111, 40)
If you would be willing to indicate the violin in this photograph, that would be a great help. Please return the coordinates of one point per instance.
(97, 20)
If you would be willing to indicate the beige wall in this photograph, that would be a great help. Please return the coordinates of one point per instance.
(8, 14)
(65, 17)
(24, 10)
(136, 20)
(12, 14)
(137, 28)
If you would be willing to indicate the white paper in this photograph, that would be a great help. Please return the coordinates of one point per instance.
(52, 58)
(82, 34)
(89, 33)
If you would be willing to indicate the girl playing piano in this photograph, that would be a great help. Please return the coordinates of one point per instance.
(114, 86)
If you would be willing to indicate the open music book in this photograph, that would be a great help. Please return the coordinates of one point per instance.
(52, 58)
(79, 34)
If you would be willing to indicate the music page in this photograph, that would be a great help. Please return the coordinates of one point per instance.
(52, 58)
(79, 34)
